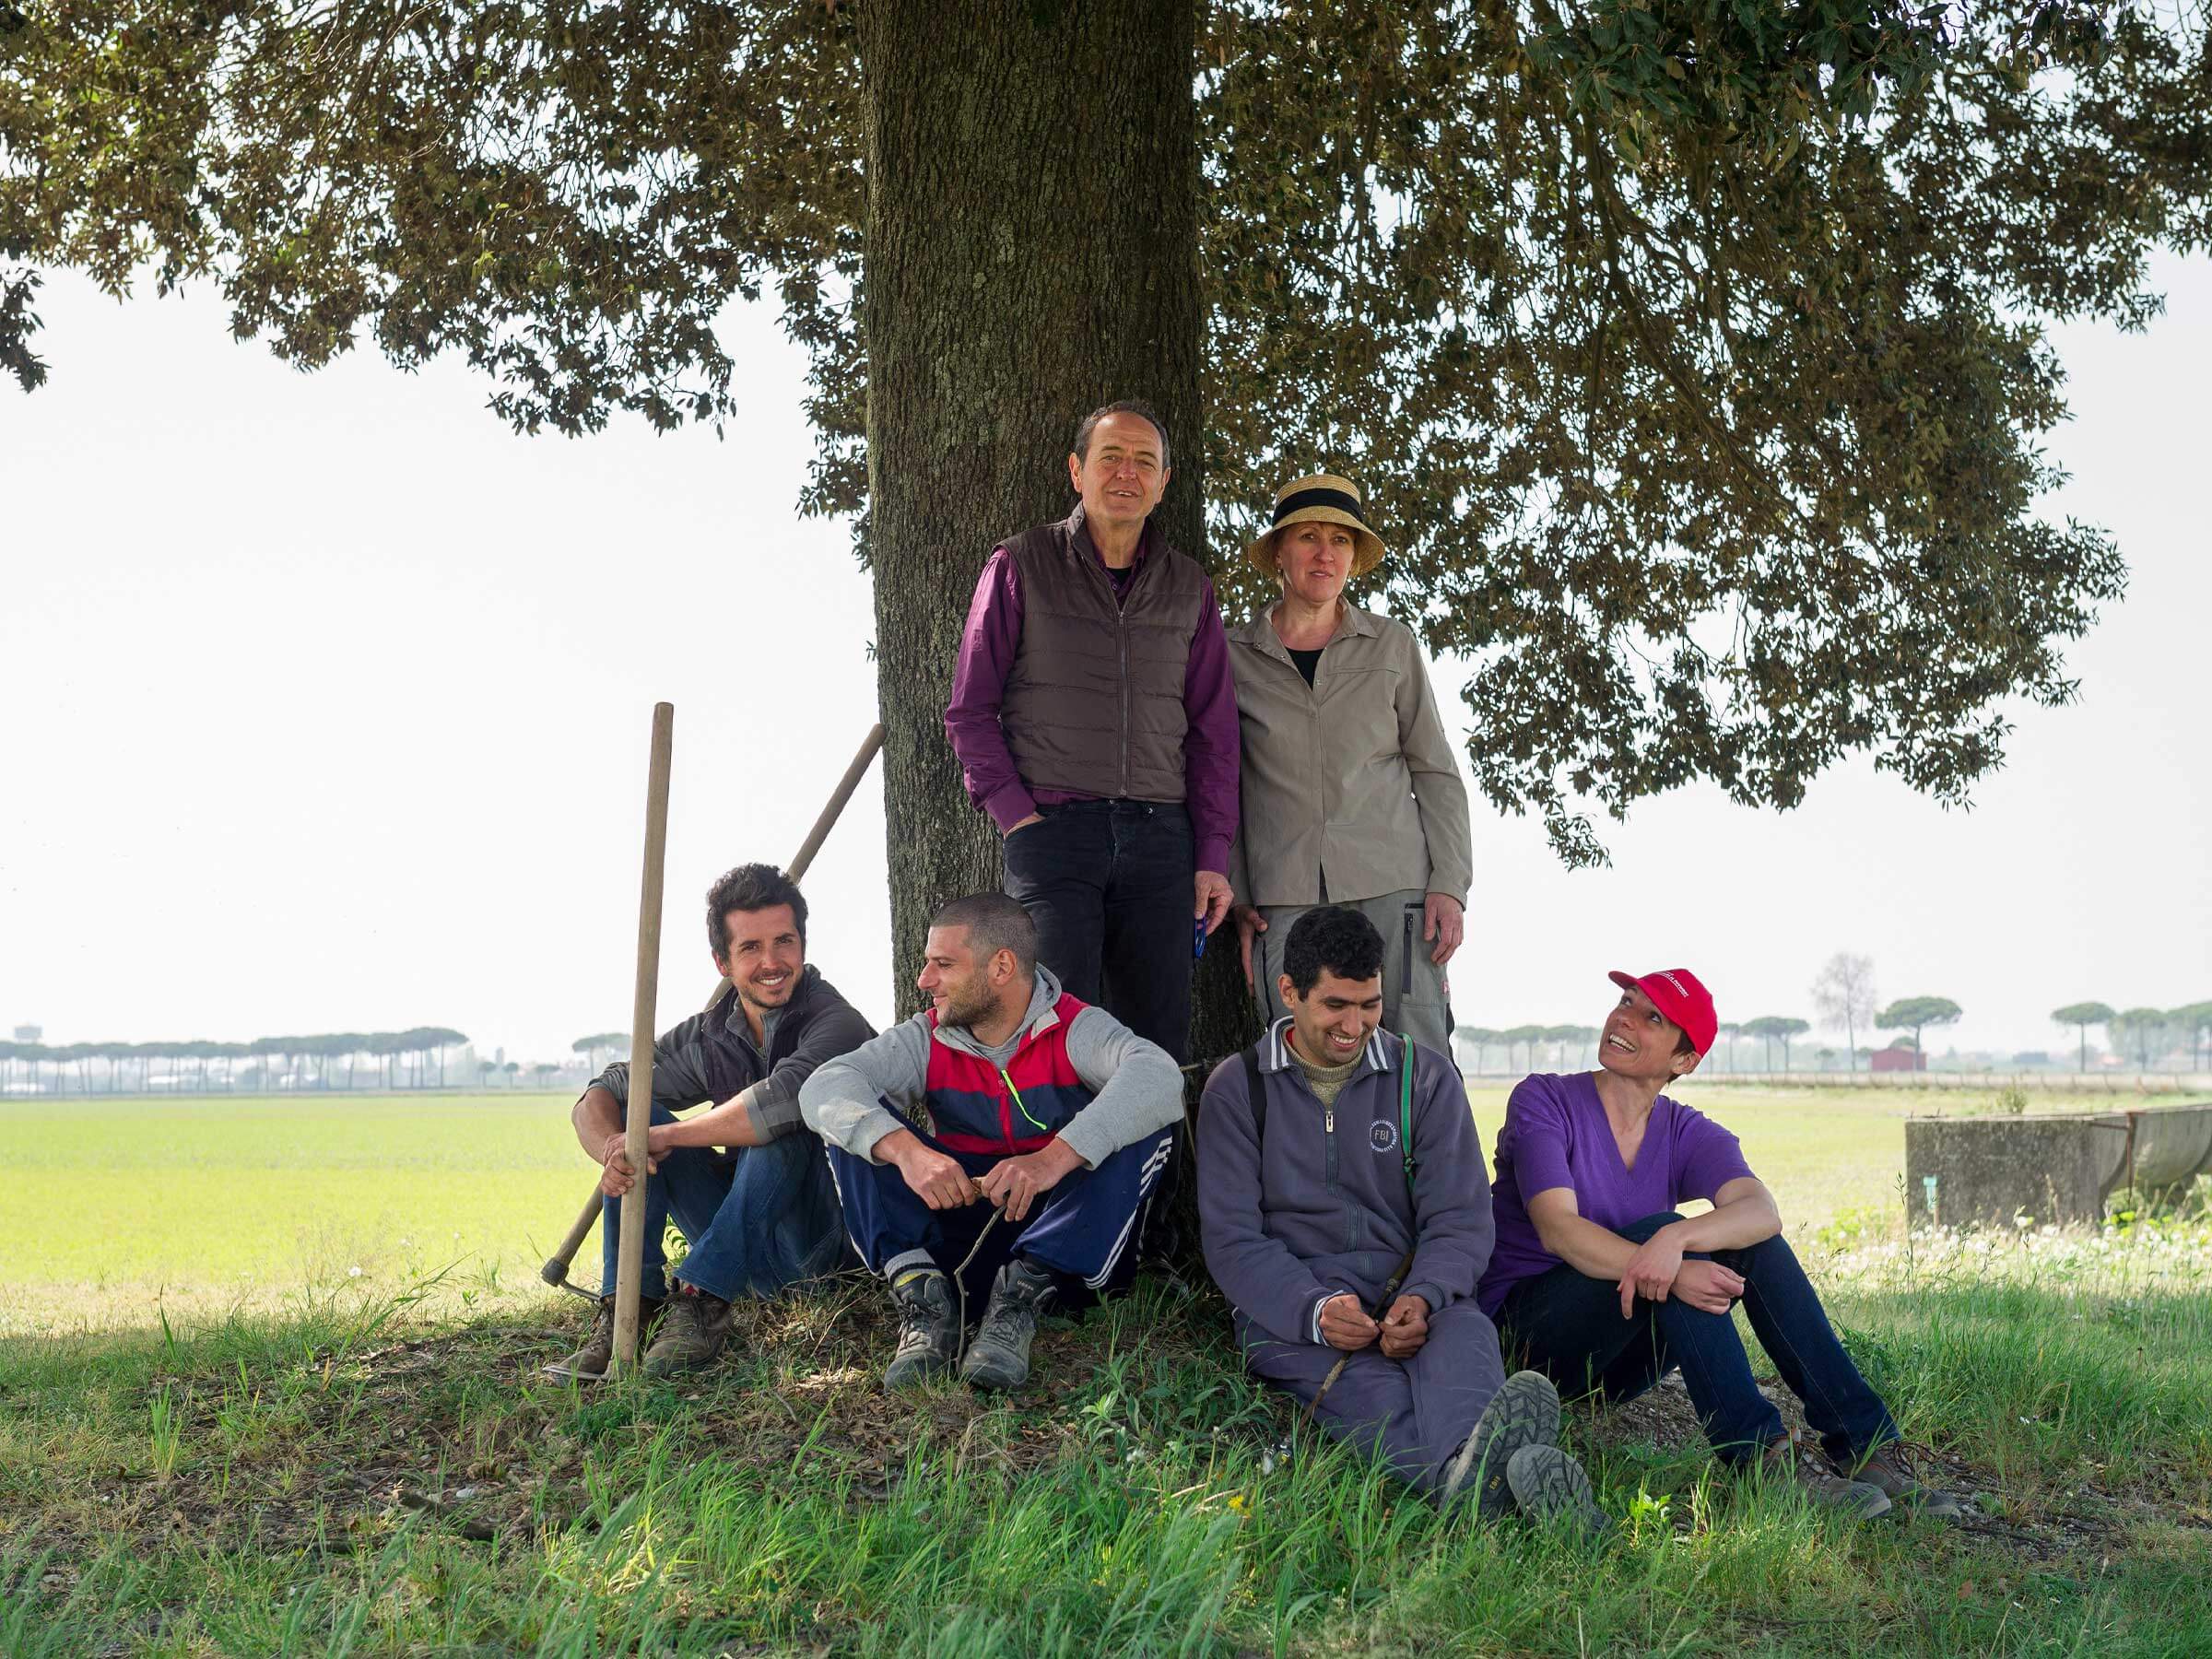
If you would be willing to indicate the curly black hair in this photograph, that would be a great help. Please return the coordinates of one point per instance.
(1333, 937)
(751, 887)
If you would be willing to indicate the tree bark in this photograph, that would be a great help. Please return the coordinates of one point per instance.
(1031, 253)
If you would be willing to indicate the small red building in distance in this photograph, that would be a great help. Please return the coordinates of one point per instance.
(1898, 1060)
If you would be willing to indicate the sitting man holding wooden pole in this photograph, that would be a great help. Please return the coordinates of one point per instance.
(1050, 1107)
(763, 1214)
(1346, 1214)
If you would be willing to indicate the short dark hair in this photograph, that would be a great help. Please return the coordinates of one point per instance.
(752, 886)
(1127, 405)
(994, 923)
(1334, 937)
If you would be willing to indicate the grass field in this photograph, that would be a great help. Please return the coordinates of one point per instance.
(304, 1460)
(123, 1209)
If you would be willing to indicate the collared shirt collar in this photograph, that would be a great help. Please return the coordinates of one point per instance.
(1258, 631)
(735, 1023)
(1275, 1056)
(1079, 529)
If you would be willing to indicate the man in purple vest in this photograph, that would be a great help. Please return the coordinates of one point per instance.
(1096, 722)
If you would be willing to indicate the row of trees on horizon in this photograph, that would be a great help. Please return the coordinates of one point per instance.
(1844, 997)
(410, 1059)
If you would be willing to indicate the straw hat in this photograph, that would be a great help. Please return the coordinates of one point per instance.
(1331, 500)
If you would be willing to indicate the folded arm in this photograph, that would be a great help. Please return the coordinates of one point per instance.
(1136, 1087)
(1262, 1278)
(843, 1100)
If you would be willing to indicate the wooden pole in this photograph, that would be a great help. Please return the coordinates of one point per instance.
(629, 1261)
(823, 824)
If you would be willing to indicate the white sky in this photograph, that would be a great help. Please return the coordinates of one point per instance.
(323, 703)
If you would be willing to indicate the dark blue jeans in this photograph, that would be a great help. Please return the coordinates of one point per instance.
(1109, 885)
(757, 1218)
(1570, 1327)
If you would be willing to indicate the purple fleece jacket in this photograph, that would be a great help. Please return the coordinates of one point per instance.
(1322, 1210)
(979, 686)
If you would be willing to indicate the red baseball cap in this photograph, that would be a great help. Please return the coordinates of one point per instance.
(1680, 995)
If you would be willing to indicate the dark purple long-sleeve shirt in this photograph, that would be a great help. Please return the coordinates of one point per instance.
(988, 645)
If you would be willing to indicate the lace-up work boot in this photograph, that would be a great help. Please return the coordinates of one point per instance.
(1525, 1412)
(694, 1326)
(999, 1357)
(589, 1363)
(1886, 1468)
(1552, 1488)
(929, 1328)
(1784, 1459)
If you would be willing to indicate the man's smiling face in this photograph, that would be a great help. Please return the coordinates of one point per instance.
(766, 955)
(1122, 476)
(1331, 1023)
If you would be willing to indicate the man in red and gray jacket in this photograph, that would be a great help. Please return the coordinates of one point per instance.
(1096, 722)
(1008, 1090)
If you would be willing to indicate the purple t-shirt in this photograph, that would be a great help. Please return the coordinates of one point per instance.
(1556, 1134)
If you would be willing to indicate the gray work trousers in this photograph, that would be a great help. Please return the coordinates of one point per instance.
(1415, 1001)
(1416, 1412)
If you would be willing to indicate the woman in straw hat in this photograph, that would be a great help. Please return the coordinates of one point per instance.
(1351, 793)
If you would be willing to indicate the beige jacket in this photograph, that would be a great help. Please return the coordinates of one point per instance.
(1350, 780)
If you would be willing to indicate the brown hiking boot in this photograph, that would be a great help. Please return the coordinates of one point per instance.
(1785, 1459)
(694, 1326)
(1885, 1467)
(589, 1363)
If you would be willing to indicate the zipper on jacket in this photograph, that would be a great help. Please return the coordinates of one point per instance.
(1121, 638)
(1006, 1115)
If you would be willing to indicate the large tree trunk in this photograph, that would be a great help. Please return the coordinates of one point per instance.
(1031, 253)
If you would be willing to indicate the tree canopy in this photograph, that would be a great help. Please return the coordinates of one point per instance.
(1916, 1012)
(1691, 356)
(1768, 1027)
(2081, 1016)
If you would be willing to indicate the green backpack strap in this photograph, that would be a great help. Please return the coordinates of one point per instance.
(1405, 1110)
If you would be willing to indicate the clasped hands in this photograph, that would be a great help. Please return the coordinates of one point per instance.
(1657, 1271)
(1012, 1183)
(1345, 1324)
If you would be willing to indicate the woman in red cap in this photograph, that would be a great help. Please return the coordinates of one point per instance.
(1598, 1277)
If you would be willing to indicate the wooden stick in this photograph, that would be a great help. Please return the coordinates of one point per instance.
(630, 1261)
(556, 1270)
(831, 811)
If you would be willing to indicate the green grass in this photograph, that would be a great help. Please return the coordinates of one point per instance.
(199, 1206)
(332, 1465)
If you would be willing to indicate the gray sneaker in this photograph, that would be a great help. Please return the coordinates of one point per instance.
(1785, 1459)
(1550, 1486)
(999, 1357)
(589, 1363)
(1885, 1467)
(694, 1326)
(1525, 1412)
(929, 1328)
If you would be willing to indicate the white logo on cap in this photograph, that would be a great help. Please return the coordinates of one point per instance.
(1671, 980)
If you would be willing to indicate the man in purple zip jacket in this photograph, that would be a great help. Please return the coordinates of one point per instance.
(1096, 722)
